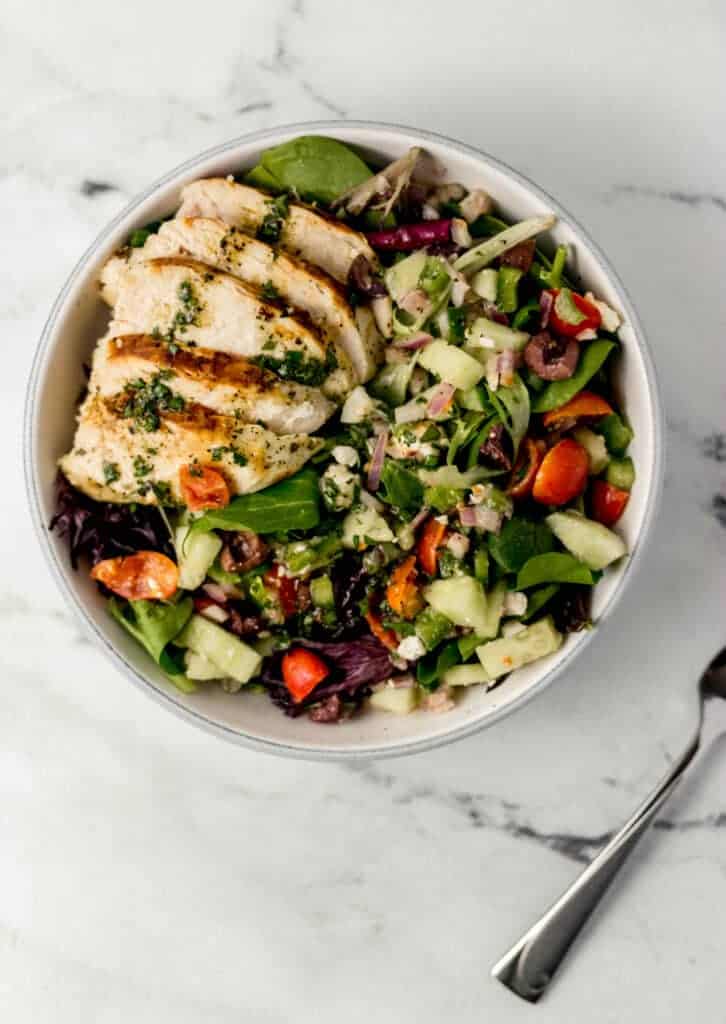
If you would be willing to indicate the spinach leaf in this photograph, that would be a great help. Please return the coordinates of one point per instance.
(553, 567)
(431, 667)
(400, 487)
(443, 499)
(538, 599)
(154, 625)
(314, 167)
(466, 427)
(518, 541)
(560, 391)
(293, 504)
(512, 405)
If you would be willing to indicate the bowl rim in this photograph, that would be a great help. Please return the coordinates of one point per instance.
(321, 752)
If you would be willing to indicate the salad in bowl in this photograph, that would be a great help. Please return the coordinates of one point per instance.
(350, 437)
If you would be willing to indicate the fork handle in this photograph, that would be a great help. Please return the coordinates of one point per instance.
(530, 964)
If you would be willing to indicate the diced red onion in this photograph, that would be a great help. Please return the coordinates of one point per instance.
(546, 302)
(481, 517)
(416, 302)
(215, 613)
(376, 467)
(411, 236)
(216, 592)
(419, 340)
(506, 365)
(441, 399)
(419, 518)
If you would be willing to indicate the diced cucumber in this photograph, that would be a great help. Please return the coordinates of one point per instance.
(587, 540)
(495, 609)
(594, 445)
(321, 591)
(452, 365)
(450, 476)
(481, 564)
(484, 284)
(392, 382)
(199, 668)
(566, 309)
(462, 600)
(404, 276)
(486, 335)
(417, 408)
(234, 659)
(621, 473)
(362, 525)
(507, 282)
(465, 675)
(400, 700)
(499, 657)
(485, 252)
(474, 400)
(195, 554)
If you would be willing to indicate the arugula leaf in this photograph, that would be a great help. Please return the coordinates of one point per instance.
(465, 429)
(431, 667)
(154, 625)
(315, 167)
(553, 567)
(400, 487)
(512, 405)
(293, 504)
(518, 541)
(560, 391)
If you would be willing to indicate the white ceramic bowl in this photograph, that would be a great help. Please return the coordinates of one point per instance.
(78, 318)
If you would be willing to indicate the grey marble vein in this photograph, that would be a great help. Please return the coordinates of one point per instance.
(687, 198)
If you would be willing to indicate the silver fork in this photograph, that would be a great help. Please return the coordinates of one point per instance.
(530, 964)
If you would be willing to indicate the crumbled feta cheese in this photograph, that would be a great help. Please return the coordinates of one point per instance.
(339, 487)
(411, 648)
(611, 320)
(345, 455)
(458, 545)
(475, 204)
(479, 493)
(407, 441)
(358, 406)
(515, 603)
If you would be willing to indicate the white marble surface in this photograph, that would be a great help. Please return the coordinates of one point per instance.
(151, 873)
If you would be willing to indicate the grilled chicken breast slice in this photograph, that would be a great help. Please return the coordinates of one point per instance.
(115, 459)
(220, 382)
(184, 299)
(324, 241)
(358, 345)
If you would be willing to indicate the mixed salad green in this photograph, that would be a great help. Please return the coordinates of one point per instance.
(461, 506)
